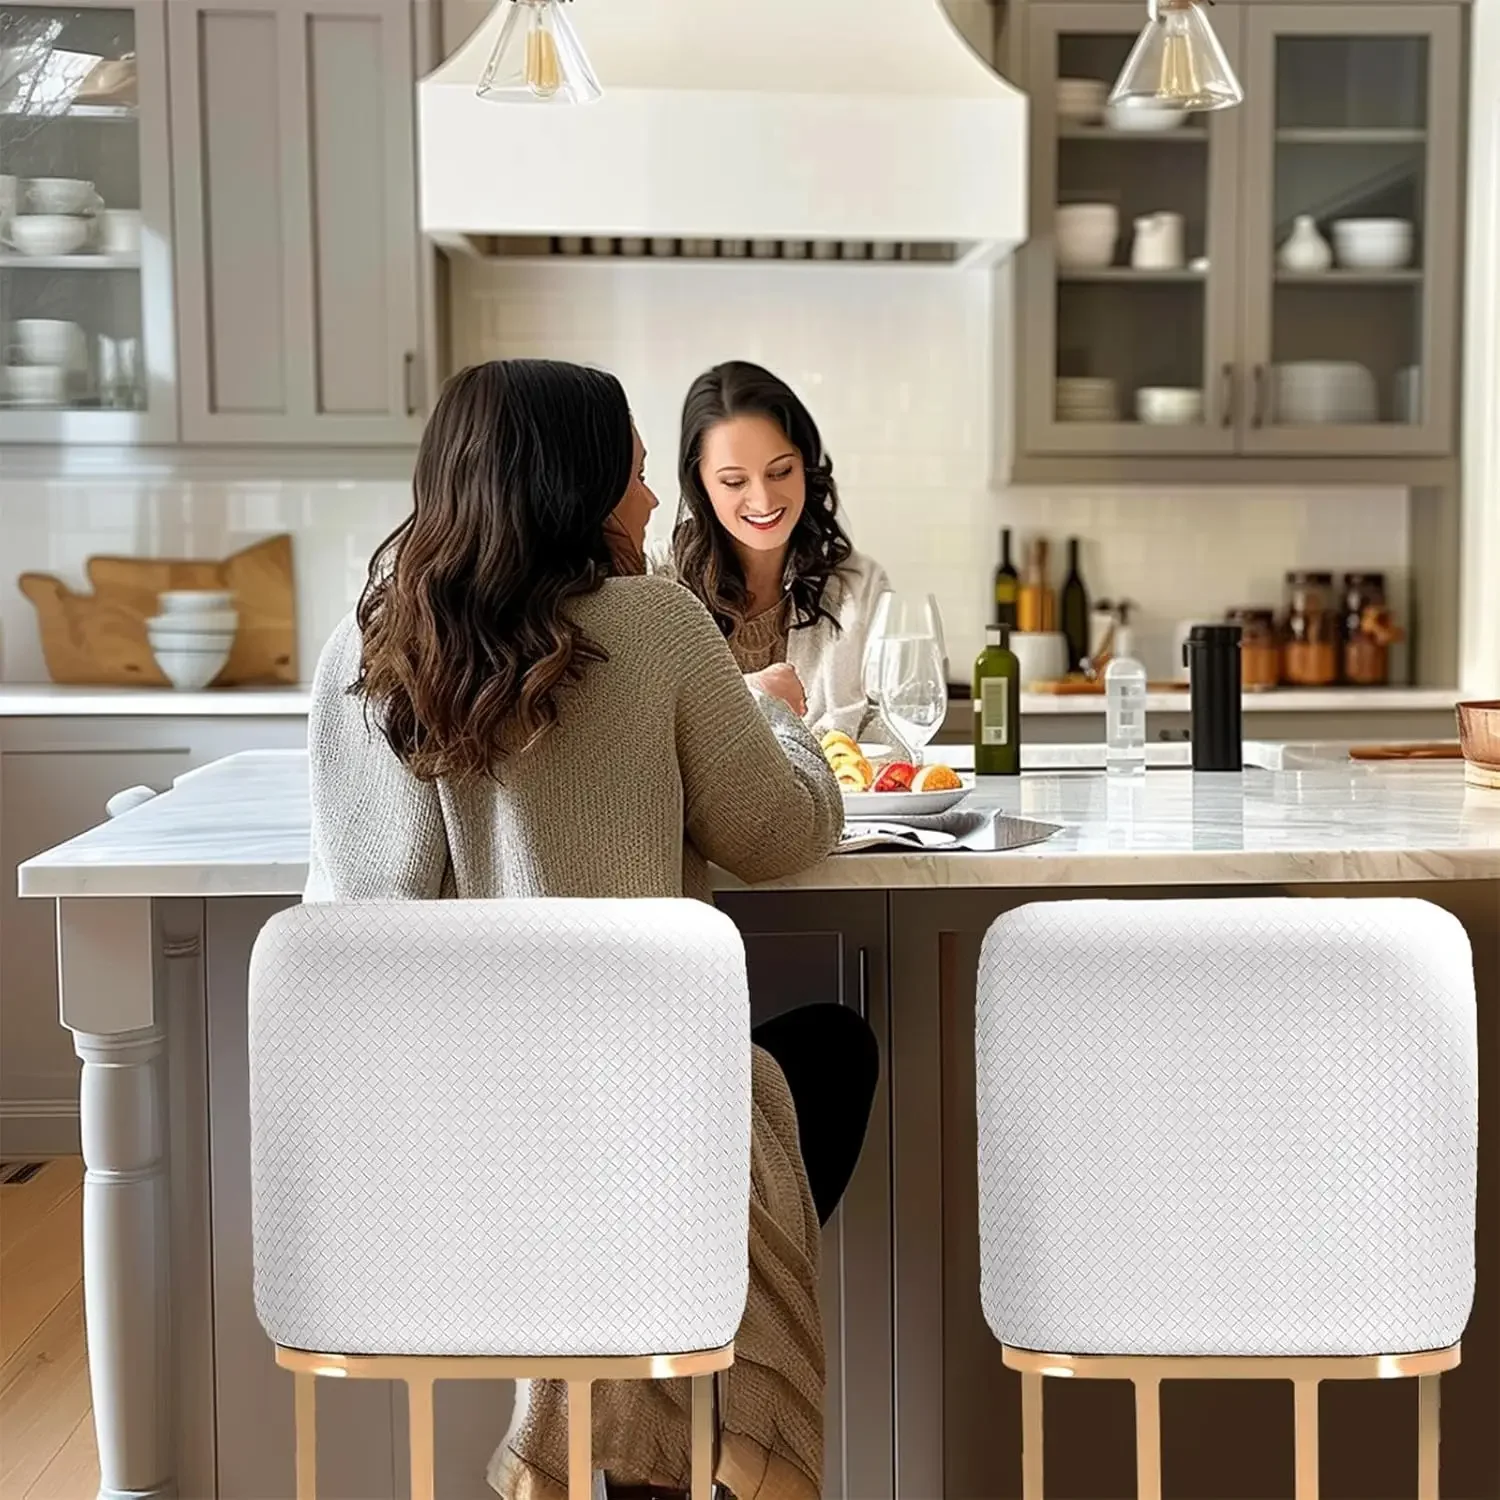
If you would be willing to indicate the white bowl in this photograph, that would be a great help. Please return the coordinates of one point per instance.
(37, 385)
(1321, 393)
(1042, 655)
(188, 671)
(48, 341)
(49, 234)
(1142, 115)
(1373, 244)
(196, 622)
(1087, 234)
(60, 195)
(188, 634)
(1169, 405)
(178, 601)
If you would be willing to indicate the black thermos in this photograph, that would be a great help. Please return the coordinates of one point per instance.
(1212, 657)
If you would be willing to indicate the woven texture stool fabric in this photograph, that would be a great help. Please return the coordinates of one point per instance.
(500, 1127)
(1240, 1127)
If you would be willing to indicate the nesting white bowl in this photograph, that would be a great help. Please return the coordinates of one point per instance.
(1324, 393)
(191, 647)
(47, 341)
(1087, 234)
(35, 385)
(1169, 405)
(1142, 115)
(60, 195)
(195, 601)
(1373, 244)
(49, 234)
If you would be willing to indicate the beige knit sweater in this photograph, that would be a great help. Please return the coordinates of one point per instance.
(661, 761)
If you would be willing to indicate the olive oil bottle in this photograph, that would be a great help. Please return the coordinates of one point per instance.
(997, 707)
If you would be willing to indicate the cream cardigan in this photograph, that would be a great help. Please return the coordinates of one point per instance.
(828, 658)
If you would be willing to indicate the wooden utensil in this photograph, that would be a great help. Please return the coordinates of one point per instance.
(1436, 750)
(99, 639)
(1082, 687)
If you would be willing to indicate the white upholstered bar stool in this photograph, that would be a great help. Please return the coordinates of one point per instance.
(1227, 1140)
(501, 1140)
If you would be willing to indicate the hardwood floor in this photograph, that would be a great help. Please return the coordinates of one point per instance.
(46, 1425)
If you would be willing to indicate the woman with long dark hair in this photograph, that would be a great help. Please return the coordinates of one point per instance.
(515, 710)
(759, 541)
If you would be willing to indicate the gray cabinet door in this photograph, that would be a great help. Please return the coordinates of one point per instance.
(1094, 336)
(298, 269)
(1352, 113)
(812, 948)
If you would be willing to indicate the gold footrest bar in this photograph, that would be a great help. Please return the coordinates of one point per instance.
(1147, 1371)
(419, 1372)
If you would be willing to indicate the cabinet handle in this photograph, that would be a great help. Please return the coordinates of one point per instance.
(408, 382)
(864, 985)
(1226, 395)
(1258, 411)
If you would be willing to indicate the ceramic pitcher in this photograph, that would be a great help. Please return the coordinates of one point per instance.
(1158, 243)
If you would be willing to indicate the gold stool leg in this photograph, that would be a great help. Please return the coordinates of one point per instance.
(1148, 1439)
(1428, 1434)
(306, 1388)
(580, 1440)
(702, 1471)
(421, 1438)
(1305, 1397)
(1031, 1437)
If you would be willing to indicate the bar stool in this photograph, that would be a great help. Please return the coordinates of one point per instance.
(1227, 1140)
(501, 1140)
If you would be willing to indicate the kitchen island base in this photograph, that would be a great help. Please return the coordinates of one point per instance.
(921, 1404)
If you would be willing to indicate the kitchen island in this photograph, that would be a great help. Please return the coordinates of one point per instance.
(158, 910)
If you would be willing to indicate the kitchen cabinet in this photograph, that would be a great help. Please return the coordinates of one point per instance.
(299, 273)
(87, 340)
(1351, 112)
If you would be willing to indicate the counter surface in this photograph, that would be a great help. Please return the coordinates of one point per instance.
(239, 827)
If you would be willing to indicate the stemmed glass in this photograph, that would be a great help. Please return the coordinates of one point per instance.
(906, 669)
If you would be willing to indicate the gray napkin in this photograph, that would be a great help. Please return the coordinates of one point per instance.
(965, 828)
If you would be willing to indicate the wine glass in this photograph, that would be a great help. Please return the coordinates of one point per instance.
(913, 690)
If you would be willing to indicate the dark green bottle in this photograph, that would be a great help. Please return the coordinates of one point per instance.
(1007, 585)
(1075, 610)
(997, 707)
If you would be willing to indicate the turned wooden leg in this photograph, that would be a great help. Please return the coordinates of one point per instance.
(1428, 1435)
(419, 1424)
(306, 1388)
(1031, 1437)
(702, 1474)
(1305, 1396)
(580, 1440)
(1148, 1439)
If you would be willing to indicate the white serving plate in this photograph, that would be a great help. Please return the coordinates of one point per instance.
(904, 804)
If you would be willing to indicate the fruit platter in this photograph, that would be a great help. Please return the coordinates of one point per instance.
(876, 787)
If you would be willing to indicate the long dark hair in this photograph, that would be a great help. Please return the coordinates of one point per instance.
(465, 634)
(702, 550)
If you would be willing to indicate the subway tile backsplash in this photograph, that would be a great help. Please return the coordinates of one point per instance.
(904, 369)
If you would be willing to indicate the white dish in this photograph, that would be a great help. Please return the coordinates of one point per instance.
(37, 385)
(196, 622)
(188, 671)
(904, 804)
(1373, 244)
(60, 195)
(1142, 115)
(48, 234)
(178, 601)
(1087, 234)
(1169, 406)
(1081, 100)
(1322, 393)
(48, 341)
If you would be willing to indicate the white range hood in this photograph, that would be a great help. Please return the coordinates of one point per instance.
(846, 120)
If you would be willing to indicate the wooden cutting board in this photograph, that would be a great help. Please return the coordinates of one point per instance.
(1437, 750)
(99, 639)
(1082, 687)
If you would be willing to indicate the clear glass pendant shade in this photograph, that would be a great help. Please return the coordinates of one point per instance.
(1177, 62)
(538, 58)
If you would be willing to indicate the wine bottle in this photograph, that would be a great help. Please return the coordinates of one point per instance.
(997, 706)
(1075, 610)
(1007, 585)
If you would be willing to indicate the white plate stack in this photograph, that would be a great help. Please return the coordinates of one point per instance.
(1324, 393)
(1087, 399)
(1080, 101)
(193, 635)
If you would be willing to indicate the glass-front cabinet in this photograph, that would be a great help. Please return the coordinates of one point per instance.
(1275, 279)
(87, 349)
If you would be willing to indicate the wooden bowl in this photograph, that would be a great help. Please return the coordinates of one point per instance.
(1479, 739)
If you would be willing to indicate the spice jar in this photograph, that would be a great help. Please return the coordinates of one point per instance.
(1368, 630)
(1260, 648)
(1310, 655)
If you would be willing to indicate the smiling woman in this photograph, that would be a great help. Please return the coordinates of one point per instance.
(758, 540)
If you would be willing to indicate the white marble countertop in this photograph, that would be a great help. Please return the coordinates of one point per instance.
(240, 827)
(47, 700)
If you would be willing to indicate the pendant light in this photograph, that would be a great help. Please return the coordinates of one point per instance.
(1177, 62)
(538, 58)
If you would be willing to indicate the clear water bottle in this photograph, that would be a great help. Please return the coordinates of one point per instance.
(1125, 717)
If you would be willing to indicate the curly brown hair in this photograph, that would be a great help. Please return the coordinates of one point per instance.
(465, 632)
(702, 551)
